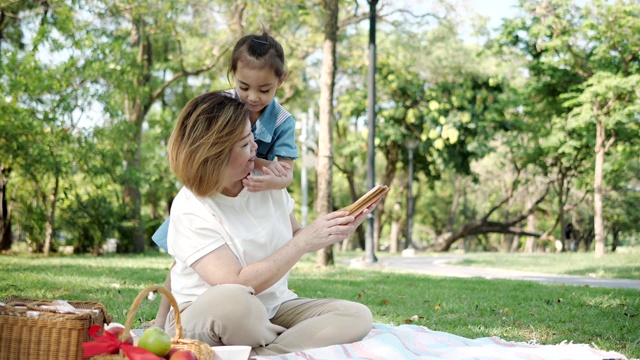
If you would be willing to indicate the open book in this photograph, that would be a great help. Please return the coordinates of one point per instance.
(366, 200)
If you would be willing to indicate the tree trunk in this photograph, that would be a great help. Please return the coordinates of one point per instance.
(598, 221)
(530, 246)
(357, 241)
(396, 228)
(325, 136)
(395, 233)
(51, 217)
(454, 205)
(132, 196)
(6, 240)
(561, 201)
(506, 239)
(515, 244)
(387, 177)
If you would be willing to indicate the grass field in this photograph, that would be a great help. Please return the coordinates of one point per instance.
(623, 264)
(608, 319)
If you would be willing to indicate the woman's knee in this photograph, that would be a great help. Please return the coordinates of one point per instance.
(230, 301)
(353, 318)
(361, 320)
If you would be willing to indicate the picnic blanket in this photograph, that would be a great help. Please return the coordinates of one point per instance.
(388, 342)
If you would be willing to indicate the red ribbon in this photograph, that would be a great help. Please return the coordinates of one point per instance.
(108, 343)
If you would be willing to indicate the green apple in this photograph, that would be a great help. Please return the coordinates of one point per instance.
(155, 340)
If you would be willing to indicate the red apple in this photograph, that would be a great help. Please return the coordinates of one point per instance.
(171, 352)
(183, 355)
(118, 330)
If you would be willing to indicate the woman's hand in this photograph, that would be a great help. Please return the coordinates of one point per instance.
(330, 228)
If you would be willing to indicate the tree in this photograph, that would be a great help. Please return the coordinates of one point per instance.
(43, 97)
(159, 50)
(611, 101)
(325, 135)
(599, 58)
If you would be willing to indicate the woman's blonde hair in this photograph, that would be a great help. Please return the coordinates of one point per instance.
(202, 139)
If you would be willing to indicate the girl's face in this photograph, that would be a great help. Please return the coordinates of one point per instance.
(256, 88)
(243, 155)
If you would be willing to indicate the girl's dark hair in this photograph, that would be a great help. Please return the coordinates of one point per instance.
(258, 51)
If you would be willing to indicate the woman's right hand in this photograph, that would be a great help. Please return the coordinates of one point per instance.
(330, 228)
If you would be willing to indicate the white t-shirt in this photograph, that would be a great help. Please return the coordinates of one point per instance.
(254, 225)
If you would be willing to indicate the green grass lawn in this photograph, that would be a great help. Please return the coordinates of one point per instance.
(623, 264)
(608, 319)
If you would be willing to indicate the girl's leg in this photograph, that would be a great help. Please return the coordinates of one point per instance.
(226, 315)
(313, 323)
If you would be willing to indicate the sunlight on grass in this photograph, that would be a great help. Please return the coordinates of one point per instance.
(623, 264)
(472, 308)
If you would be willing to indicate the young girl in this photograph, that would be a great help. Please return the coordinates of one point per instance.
(258, 66)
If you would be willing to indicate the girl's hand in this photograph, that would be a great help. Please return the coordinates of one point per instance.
(274, 176)
(278, 168)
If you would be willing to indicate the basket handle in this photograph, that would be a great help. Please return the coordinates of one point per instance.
(140, 298)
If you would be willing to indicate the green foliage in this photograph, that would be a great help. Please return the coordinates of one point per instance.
(89, 91)
(90, 221)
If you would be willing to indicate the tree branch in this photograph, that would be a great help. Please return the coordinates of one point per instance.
(156, 94)
(531, 209)
(504, 200)
(611, 140)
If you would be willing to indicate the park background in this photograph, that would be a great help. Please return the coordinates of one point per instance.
(523, 137)
(516, 128)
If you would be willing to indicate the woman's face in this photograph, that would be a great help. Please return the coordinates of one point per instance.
(243, 155)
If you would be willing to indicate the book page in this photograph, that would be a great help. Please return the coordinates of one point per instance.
(366, 200)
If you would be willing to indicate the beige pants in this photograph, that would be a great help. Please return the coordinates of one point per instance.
(233, 315)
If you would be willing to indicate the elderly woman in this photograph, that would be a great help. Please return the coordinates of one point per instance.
(234, 248)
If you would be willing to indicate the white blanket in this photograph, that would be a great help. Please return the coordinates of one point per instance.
(388, 342)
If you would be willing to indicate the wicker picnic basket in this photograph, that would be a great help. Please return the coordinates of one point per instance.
(29, 331)
(200, 349)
